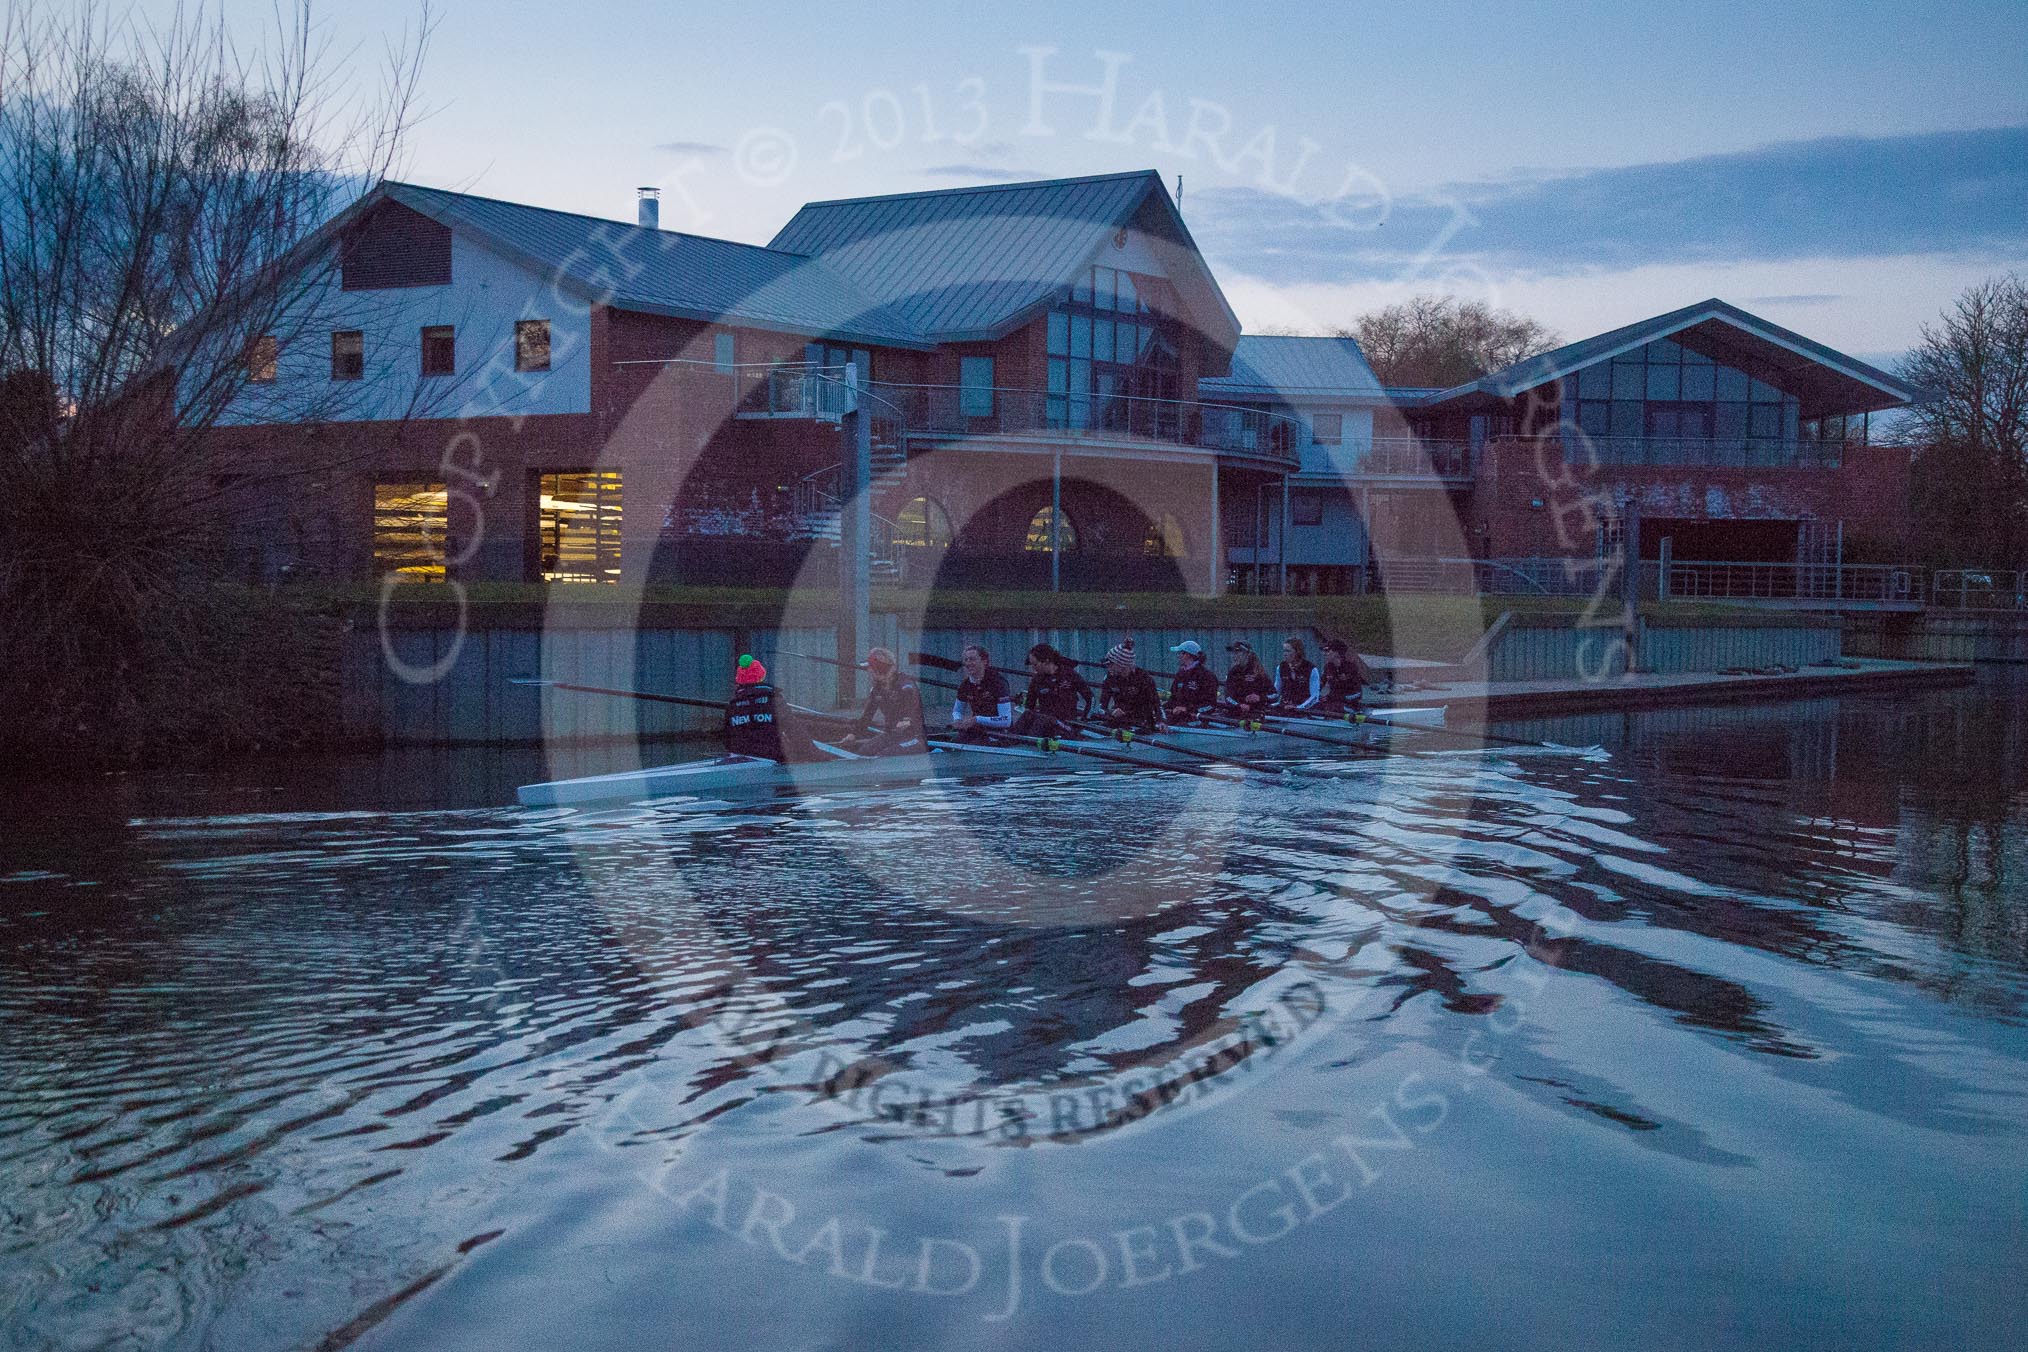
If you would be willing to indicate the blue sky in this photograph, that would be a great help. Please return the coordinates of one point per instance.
(1841, 168)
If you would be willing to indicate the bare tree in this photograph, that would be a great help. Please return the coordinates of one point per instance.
(157, 186)
(1440, 341)
(1971, 430)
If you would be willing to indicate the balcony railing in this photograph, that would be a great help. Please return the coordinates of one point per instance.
(951, 411)
(790, 392)
(1706, 452)
(1980, 588)
(1416, 457)
(1801, 582)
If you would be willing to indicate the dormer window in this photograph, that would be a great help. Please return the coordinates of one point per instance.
(261, 362)
(531, 345)
(348, 355)
(439, 350)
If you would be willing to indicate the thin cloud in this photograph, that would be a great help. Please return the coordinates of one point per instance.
(1802, 298)
(690, 148)
(1961, 193)
(985, 171)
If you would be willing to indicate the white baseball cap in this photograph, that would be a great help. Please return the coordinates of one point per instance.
(1188, 645)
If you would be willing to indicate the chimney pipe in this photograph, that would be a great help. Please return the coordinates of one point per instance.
(650, 208)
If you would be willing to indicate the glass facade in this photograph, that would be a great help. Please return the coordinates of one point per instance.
(578, 525)
(1665, 403)
(1110, 341)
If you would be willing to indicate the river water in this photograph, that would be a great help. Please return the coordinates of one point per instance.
(1713, 1037)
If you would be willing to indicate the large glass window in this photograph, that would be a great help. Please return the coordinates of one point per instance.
(1112, 351)
(578, 525)
(410, 521)
(1667, 404)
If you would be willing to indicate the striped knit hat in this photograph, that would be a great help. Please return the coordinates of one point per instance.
(1121, 655)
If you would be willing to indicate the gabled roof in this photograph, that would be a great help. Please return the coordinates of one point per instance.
(1273, 365)
(1827, 381)
(971, 264)
(664, 271)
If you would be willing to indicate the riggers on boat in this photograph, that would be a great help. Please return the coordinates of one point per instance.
(748, 776)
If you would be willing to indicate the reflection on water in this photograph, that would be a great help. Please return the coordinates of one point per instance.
(1733, 1018)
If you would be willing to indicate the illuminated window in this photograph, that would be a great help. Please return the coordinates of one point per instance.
(409, 524)
(1165, 538)
(260, 359)
(923, 523)
(439, 350)
(578, 525)
(348, 355)
(531, 345)
(1045, 530)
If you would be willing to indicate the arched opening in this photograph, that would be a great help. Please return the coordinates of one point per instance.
(923, 523)
(1046, 530)
(1165, 538)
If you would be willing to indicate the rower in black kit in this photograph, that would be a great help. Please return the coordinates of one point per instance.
(982, 707)
(1248, 687)
(892, 722)
(1056, 697)
(1194, 692)
(1344, 677)
(754, 721)
(1128, 697)
(1298, 683)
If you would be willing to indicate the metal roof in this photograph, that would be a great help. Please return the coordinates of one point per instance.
(1292, 367)
(1828, 381)
(970, 264)
(667, 272)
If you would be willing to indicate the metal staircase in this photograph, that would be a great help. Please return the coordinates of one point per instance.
(819, 510)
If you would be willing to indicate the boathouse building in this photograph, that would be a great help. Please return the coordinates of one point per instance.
(1058, 394)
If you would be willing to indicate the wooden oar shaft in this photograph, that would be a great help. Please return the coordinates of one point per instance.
(1161, 743)
(1080, 749)
(649, 695)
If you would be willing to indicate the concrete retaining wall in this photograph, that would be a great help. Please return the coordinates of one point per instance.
(1537, 652)
(1940, 636)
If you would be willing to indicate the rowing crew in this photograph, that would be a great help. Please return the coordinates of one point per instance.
(1057, 699)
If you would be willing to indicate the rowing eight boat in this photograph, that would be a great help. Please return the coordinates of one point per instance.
(746, 776)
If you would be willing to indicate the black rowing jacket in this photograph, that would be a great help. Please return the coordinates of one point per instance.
(986, 699)
(892, 702)
(753, 726)
(1344, 685)
(1132, 698)
(1296, 684)
(1194, 689)
(1249, 689)
(1062, 695)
